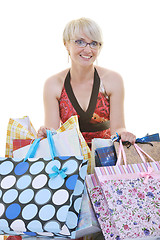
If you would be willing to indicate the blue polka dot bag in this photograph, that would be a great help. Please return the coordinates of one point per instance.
(41, 197)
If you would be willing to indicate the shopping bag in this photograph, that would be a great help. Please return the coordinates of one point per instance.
(105, 156)
(152, 148)
(66, 143)
(71, 123)
(19, 143)
(87, 223)
(41, 197)
(133, 196)
(101, 209)
(18, 128)
(149, 138)
(98, 143)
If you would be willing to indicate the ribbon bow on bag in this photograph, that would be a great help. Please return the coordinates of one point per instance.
(150, 173)
(58, 172)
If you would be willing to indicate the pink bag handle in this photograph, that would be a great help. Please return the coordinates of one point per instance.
(121, 152)
(138, 149)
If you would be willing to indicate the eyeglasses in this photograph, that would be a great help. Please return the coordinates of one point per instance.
(82, 44)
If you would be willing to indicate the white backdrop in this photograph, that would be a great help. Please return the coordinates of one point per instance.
(31, 50)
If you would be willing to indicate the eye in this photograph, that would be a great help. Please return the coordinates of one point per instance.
(80, 42)
(94, 44)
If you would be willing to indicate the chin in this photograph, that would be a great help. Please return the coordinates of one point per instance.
(87, 63)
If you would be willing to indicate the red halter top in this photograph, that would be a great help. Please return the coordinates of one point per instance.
(94, 122)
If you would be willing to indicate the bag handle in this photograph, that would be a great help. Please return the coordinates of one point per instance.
(34, 146)
(120, 153)
(138, 149)
(53, 151)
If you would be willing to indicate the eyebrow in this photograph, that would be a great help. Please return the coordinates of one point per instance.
(85, 40)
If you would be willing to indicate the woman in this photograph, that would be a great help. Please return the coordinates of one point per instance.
(93, 93)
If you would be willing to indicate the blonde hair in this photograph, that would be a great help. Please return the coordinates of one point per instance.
(85, 25)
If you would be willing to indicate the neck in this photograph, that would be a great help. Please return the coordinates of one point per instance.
(80, 74)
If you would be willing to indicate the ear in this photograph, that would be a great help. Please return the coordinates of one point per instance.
(66, 44)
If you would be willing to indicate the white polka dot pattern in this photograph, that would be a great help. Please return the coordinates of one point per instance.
(36, 204)
(60, 197)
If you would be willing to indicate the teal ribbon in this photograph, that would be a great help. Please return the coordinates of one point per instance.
(51, 144)
(32, 150)
(58, 172)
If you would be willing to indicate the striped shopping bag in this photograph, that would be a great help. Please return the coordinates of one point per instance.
(132, 192)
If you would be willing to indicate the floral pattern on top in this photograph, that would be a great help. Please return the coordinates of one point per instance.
(134, 206)
(101, 114)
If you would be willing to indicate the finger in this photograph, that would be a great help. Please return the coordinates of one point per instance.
(133, 140)
(126, 136)
(42, 132)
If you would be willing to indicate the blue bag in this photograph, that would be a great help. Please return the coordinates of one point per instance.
(41, 197)
(149, 138)
(105, 156)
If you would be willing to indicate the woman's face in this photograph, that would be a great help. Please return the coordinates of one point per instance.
(82, 55)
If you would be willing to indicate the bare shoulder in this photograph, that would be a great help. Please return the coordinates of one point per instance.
(111, 80)
(54, 84)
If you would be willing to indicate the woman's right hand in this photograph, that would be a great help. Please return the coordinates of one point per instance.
(42, 132)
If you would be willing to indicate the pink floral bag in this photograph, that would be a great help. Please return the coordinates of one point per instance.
(132, 196)
(100, 207)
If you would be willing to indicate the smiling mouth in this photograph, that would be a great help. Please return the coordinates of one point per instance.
(86, 57)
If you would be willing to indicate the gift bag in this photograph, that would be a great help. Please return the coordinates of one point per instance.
(149, 138)
(18, 128)
(101, 208)
(71, 123)
(87, 223)
(41, 197)
(152, 148)
(19, 143)
(66, 143)
(133, 196)
(105, 156)
(98, 143)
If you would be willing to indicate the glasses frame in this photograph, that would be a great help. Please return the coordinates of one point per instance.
(86, 43)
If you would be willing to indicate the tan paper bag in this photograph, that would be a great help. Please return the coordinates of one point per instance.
(133, 157)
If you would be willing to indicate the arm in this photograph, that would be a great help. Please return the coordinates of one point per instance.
(117, 122)
(51, 106)
(51, 91)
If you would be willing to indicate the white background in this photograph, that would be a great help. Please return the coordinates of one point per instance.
(31, 50)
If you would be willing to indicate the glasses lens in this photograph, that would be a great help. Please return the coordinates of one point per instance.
(80, 43)
(94, 44)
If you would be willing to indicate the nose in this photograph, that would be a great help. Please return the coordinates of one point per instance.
(87, 44)
(87, 48)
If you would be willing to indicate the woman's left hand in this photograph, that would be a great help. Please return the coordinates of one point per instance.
(127, 136)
